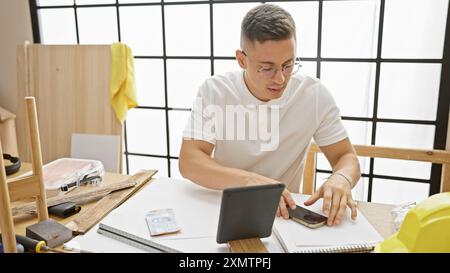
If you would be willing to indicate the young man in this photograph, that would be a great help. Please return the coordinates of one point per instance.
(300, 109)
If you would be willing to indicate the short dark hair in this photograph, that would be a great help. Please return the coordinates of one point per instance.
(267, 22)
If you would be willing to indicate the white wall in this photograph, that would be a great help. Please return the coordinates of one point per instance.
(15, 28)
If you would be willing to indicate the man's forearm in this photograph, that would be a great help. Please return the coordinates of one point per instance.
(348, 165)
(203, 170)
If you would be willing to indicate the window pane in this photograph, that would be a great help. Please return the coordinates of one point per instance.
(91, 2)
(409, 91)
(174, 170)
(224, 66)
(149, 74)
(97, 25)
(141, 29)
(306, 20)
(350, 29)
(227, 27)
(181, 0)
(177, 122)
(308, 68)
(397, 192)
(360, 132)
(184, 79)
(402, 168)
(351, 80)
(146, 132)
(187, 30)
(139, 1)
(54, 2)
(405, 135)
(414, 28)
(138, 163)
(57, 26)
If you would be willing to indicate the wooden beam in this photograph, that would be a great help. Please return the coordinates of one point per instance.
(87, 219)
(23, 188)
(445, 178)
(6, 220)
(309, 175)
(82, 197)
(434, 156)
(253, 245)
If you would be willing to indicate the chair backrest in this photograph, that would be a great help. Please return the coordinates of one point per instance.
(105, 148)
(433, 156)
(23, 187)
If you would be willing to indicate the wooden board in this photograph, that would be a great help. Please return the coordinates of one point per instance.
(253, 245)
(94, 214)
(71, 86)
(79, 198)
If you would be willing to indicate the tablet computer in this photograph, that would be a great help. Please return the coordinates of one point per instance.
(248, 212)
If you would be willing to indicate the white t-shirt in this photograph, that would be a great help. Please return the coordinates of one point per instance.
(269, 138)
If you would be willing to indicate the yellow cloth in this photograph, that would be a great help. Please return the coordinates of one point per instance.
(122, 86)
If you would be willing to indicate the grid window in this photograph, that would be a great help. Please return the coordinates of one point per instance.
(54, 2)
(149, 77)
(143, 132)
(306, 17)
(184, 77)
(58, 26)
(417, 31)
(187, 30)
(350, 29)
(227, 23)
(397, 192)
(177, 121)
(141, 29)
(409, 91)
(352, 86)
(382, 60)
(97, 25)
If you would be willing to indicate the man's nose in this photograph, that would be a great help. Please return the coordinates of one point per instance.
(279, 77)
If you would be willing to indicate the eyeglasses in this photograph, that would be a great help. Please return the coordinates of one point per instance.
(286, 69)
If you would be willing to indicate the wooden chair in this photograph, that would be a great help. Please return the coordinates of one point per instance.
(23, 188)
(433, 156)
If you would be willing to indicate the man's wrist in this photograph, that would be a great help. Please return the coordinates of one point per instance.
(348, 179)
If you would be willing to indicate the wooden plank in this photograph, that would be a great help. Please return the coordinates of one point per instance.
(79, 198)
(71, 86)
(445, 178)
(23, 188)
(93, 215)
(6, 220)
(252, 245)
(309, 174)
(36, 156)
(435, 156)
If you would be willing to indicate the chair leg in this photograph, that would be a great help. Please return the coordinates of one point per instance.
(6, 220)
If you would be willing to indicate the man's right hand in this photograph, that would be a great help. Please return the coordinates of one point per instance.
(285, 202)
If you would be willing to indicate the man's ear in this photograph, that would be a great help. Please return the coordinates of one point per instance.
(240, 59)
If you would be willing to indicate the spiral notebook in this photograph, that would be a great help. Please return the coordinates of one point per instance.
(349, 236)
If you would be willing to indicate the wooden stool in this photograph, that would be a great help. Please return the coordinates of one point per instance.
(22, 188)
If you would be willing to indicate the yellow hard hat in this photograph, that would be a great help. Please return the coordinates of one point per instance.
(426, 228)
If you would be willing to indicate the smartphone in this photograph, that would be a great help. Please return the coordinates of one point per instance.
(307, 217)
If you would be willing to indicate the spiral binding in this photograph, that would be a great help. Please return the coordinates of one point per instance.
(361, 248)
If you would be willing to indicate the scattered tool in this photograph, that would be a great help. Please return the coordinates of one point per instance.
(50, 231)
(19, 248)
(34, 245)
(24, 243)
